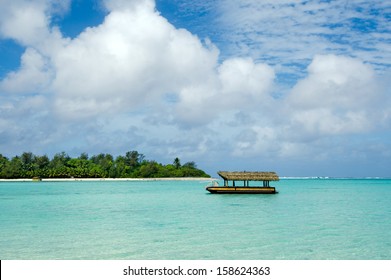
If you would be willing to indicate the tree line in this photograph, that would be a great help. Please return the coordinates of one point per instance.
(131, 165)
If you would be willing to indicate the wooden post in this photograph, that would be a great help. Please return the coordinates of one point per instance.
(266, 184)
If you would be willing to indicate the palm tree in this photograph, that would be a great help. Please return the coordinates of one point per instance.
(177, 163)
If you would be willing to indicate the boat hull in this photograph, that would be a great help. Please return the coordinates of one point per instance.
(242, 190)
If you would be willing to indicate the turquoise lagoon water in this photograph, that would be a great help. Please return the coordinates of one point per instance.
(308, 219)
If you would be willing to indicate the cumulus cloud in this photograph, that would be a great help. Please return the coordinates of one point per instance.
(335, 81)
(137, 80)
(130, 60)
(133, 59)
(121, 5)
(33, 76)
(24, 21)
(29, 22)
(340, 95)
(237, 83)
(245, 82)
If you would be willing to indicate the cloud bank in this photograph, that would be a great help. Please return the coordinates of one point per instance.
(136, 82)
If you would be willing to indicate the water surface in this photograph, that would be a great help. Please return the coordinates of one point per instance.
(308, 219)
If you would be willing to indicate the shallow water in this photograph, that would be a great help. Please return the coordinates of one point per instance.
(308, 219)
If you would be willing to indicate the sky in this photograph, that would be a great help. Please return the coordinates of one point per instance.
(300, 87)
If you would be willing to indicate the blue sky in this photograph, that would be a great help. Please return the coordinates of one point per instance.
(299, 87)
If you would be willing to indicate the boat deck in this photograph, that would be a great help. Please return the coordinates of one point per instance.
(250, 190)
(245, 186)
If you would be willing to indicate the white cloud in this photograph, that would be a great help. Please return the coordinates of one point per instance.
(340, 95)
(286, 32)
(120, 5)
(237, 84)
(244, 82)
(28, 22)
(24, 21)
(131, 60)
(137, 82)
(32, 77)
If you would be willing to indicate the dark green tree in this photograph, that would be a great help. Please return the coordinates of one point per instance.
(3, 164)
(59, 166)
(14, 169)
(42, 166)
(83, 156)
(106, 163)
(62, 165)
(149, 169)
(133, 159)
(177, 163)
(122, 169)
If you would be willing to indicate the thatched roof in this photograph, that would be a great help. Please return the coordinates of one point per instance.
(249, 176)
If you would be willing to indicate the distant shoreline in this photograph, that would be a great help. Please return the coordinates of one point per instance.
(109, 179)
(177, 179)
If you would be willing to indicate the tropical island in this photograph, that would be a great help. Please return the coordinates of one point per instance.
(131, 165)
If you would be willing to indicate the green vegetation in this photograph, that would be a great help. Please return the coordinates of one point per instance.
(132, 165)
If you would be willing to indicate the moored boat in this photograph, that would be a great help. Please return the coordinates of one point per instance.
(246, 187)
